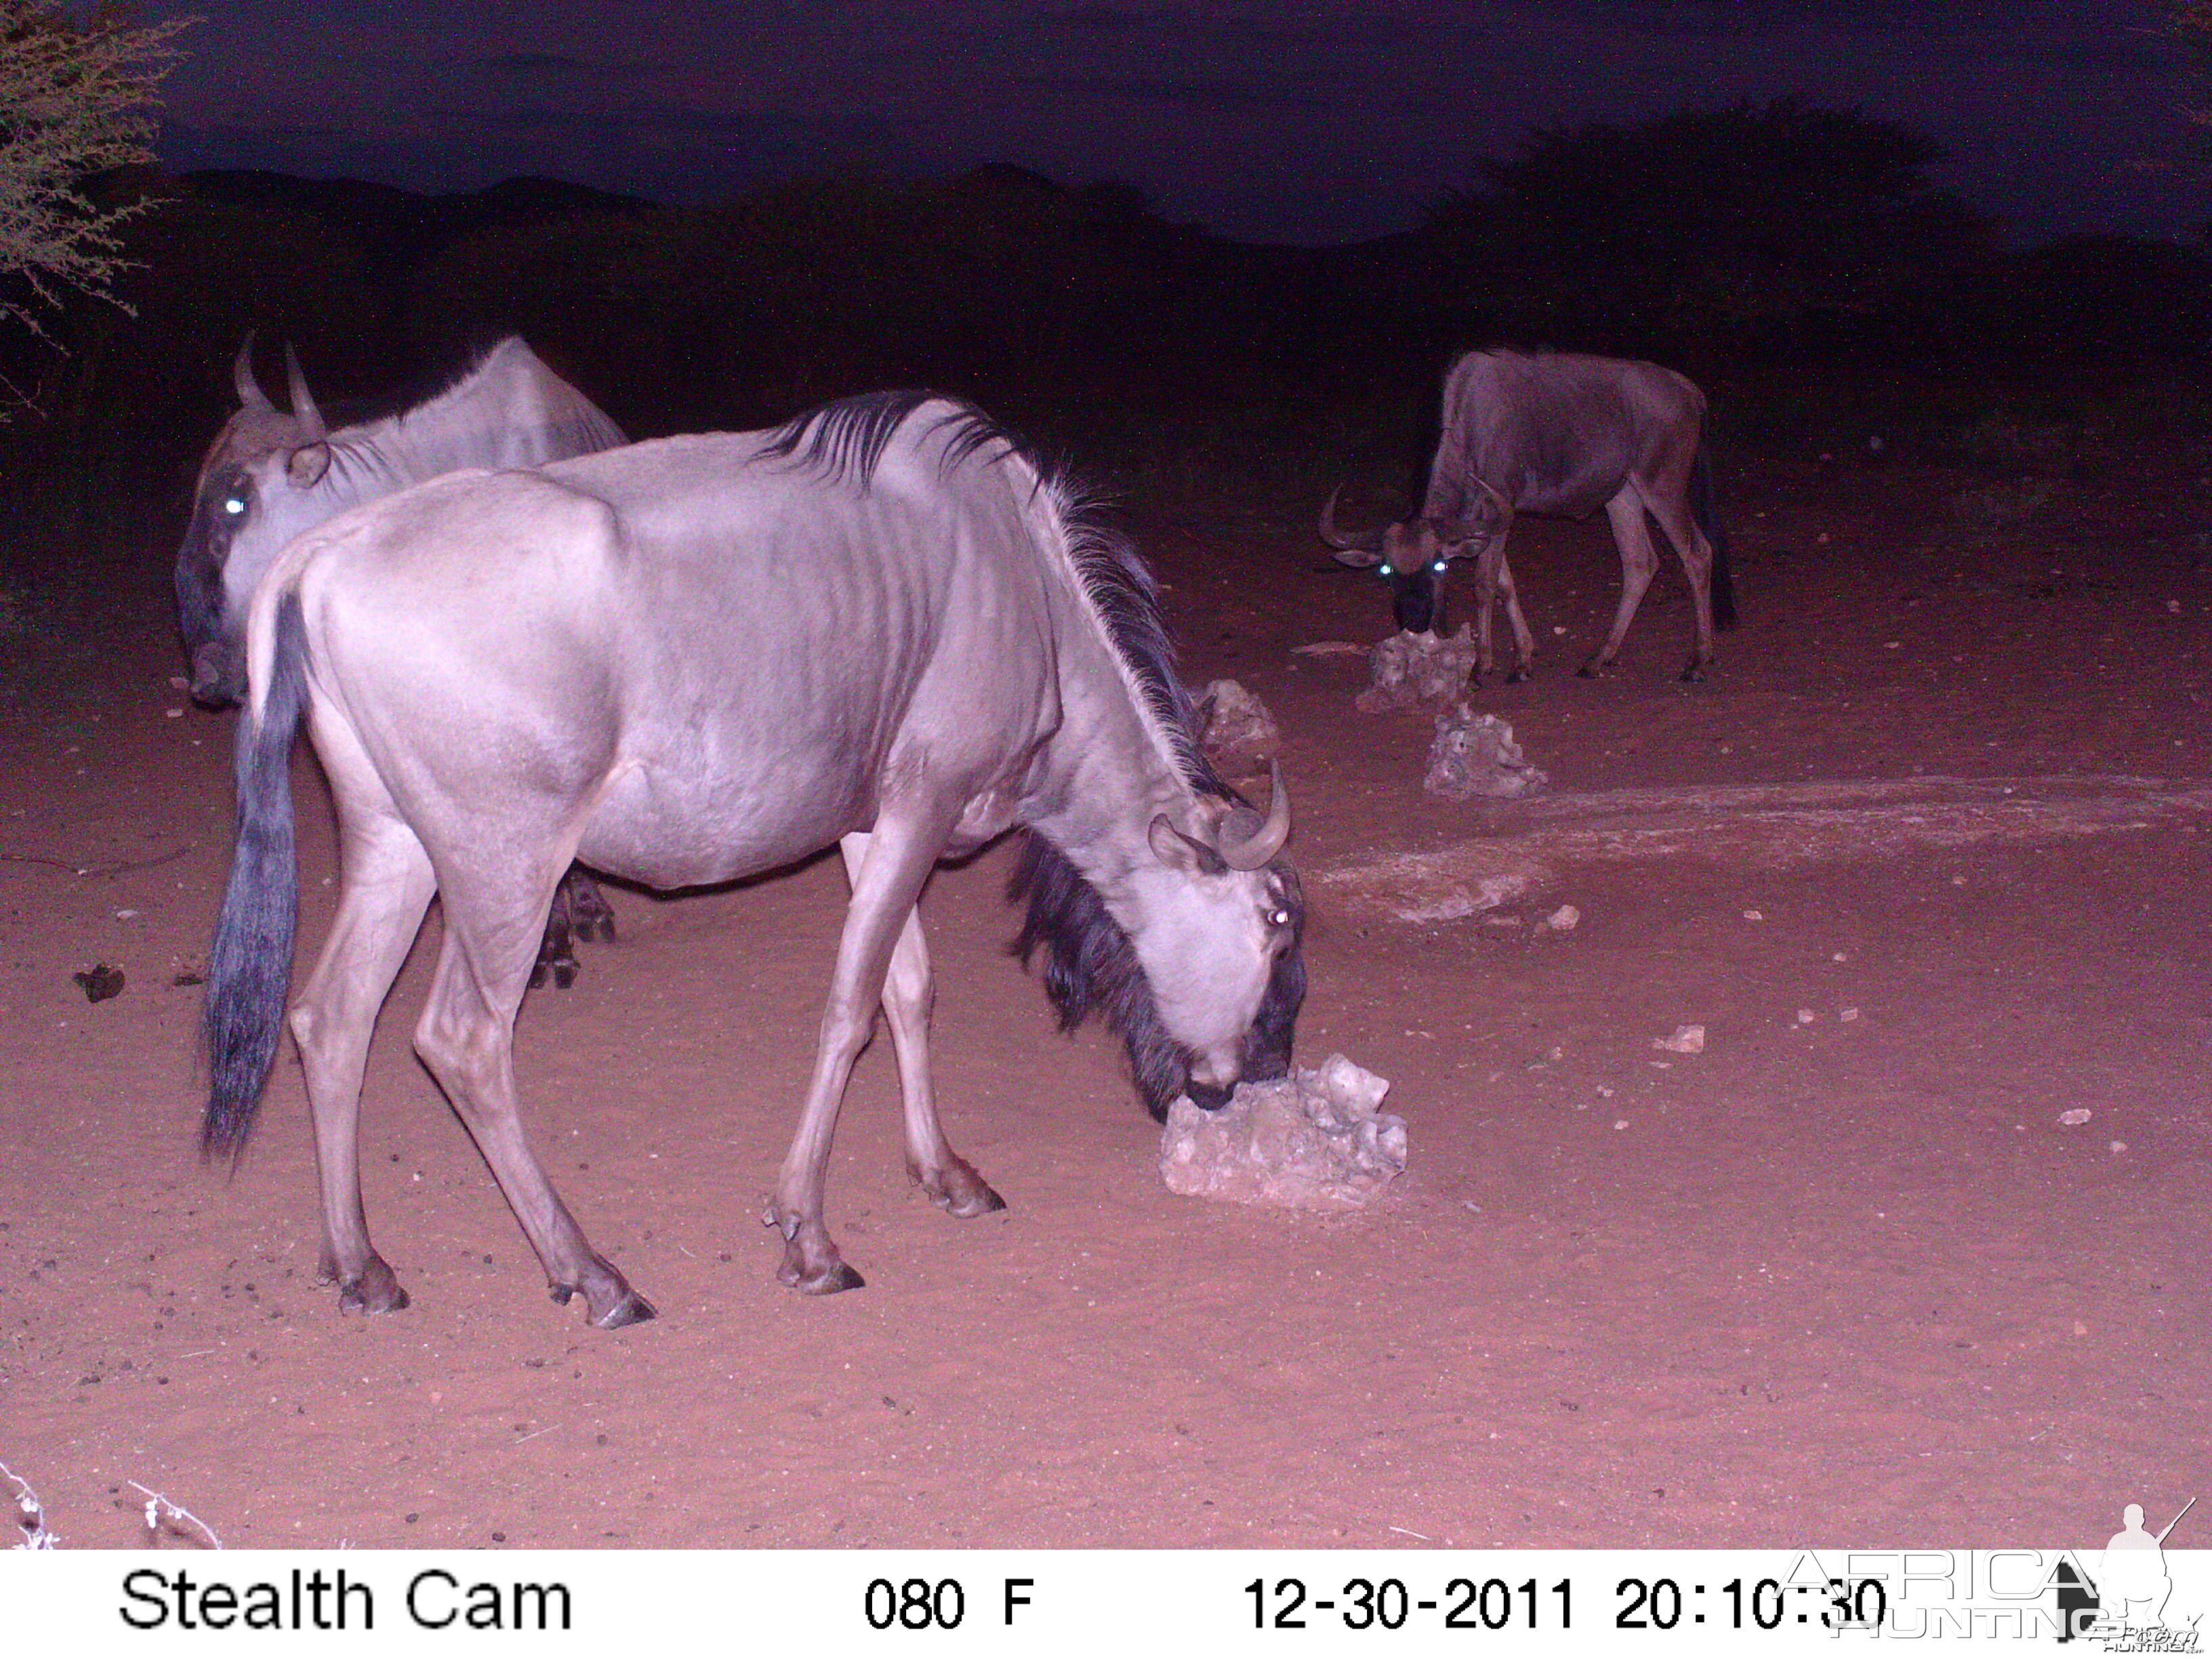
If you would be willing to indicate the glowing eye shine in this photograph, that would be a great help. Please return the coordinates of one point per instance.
(1438, 567)
(234, 506)
(1279, 918)
(1385, 570)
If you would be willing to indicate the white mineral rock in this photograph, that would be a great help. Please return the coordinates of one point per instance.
(1238, 733)
(1411, 668)
(1475, 755)
(1313, 1140)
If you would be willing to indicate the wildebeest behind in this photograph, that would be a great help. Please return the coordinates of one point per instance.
(690, 660)
(1557, 435)
(270, 475)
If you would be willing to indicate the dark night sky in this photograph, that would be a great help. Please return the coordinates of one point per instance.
(1291, 122)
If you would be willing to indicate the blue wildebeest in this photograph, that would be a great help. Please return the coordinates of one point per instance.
(882, 626)
(270, 475)
(1556, 436)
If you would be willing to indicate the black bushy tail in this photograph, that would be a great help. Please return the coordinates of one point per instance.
(250, 964)
(1707, 513)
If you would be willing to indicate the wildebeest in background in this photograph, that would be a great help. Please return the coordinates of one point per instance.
(884, 626)
(270, 475)
(1557, 435)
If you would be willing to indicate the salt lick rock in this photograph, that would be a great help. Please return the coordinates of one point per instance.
(1475, 755)
(1411, 668)
(1238, 734)
(1313, 1140)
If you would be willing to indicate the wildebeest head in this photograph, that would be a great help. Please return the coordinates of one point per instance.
(242, 514)
(1204, 976)
(1415, 555)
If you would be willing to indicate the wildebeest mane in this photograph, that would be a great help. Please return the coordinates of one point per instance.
(1090, 965)
(845, 439)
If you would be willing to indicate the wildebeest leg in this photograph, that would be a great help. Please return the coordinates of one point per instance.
(466, 1037)
(1524, 641)
(1488, 566)
(889, 880)
(1696, 553)
(589, 912)
(1638, 564)
(949, 1179)
(555, 954)
(386, 886)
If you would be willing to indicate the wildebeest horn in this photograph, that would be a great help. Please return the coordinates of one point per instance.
(1372, 542)
(1246, 840)
(241, 376)
(303, 402)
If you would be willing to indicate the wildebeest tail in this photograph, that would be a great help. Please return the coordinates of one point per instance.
(1707, 513)
(250, 964)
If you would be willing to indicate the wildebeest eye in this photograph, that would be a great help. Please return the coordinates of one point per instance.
(1279, 918)
(234, 506)
(1438, 567)
(1384, 570)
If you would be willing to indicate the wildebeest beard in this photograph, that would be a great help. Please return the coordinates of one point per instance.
(1090, 967)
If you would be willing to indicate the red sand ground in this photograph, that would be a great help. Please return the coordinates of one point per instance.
(1847, 1282)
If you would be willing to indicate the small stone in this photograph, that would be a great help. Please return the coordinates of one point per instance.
(1562, 920)
(1329, 649)
(2076, 1118)
(1848, 1015)
(2119, 1146)
(173, 713)
(1687, 1040)
(179, 682)
(1753, 916)
(100, 983)
(1806, 1016)
(1620, 1123)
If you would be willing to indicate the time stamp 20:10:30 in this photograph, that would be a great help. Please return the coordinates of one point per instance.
(1494, 1604)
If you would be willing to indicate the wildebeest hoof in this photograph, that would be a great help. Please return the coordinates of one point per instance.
(1517, 677)
(810, 1263)
(958, 1190)
(632, 1309)
(827, 1281)
(1589, 671)
(1693, 673)
(377, 1289)
(564, 975)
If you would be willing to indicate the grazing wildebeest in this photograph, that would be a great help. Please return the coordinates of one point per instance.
(269, 476)
(883, 626)
(1557, 435)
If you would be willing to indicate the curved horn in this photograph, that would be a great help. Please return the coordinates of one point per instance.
(303, 402)
(241, 376)
(1369, 542)
(1247, 840)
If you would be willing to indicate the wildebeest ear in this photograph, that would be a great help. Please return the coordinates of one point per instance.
(308, 463)
(1359, 558)
(1180, 852)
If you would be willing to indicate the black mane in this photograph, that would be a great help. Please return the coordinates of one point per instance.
(845, 438)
